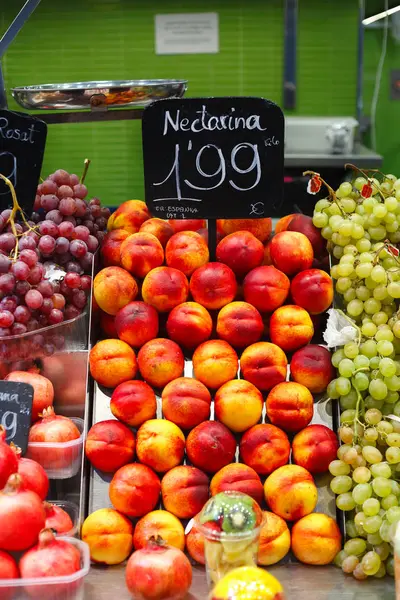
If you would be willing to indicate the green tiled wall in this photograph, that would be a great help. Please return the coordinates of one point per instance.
(70, 40)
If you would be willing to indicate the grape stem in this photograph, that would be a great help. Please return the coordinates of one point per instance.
(331, 191)
(15, 209)
(365, 174)
(85, 169)
(356, 416)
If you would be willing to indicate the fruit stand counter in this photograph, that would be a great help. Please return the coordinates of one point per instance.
(300, 582)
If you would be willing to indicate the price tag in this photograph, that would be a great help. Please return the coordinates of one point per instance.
(15, 411)
(213, 158)
(22, 143)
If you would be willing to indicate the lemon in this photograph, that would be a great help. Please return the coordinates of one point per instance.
(248, 583)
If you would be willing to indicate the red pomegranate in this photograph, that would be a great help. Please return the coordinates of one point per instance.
(57, 519)
(54, 429)
(51, 558)
(34, 477)
(8, 458)
(43, 391)
(22, 516)
(8, 567)
(158, 572)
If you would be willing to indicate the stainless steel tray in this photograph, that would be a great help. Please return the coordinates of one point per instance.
(91, 94)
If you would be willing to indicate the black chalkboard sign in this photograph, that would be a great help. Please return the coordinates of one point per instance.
(22, 143)
(213, 158)
(15, 411)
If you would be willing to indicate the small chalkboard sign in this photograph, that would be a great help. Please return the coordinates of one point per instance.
(15, 411)
(213, 158)
(22, 143)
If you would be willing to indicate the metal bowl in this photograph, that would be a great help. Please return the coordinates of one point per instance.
(90, 94)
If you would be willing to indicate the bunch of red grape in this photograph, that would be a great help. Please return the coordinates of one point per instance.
(63, 233)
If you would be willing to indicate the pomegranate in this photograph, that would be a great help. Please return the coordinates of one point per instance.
(8, 458)
(158, 572)
(53, 429)
(51, 558)
(43, 391)
(22, 516)
(8, 567)
(33, 476)
(57, 519)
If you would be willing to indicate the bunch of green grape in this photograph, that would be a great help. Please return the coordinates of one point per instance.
(362, 227)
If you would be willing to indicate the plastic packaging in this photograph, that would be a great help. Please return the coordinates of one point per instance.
(67, 587)
(230, 523)
(72, 510)
(59, 460)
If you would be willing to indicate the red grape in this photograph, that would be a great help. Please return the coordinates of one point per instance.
(79, 298)
(67, 206)
(47, 306)
(89, 225)
(22, 314)
(34, 236)
(70, 220)
(48, 228)
(34, 299)
(81, 233)
(32, 324)
(71, 312)
(36, 274)
(7, 242)
(73, 180)
(49, 202)
(66, 229)
(47, 244)
(37, 203)
(7, 283)
(29, 257)
(45, 288)
(92, 243)
(18, 329)
(62, 245)
(65, 191)
(61, 177)
(6, 318)
(8, 303)
(21, 287)
(20, 270)
(55, 316)
(81, 207)
(80, 190)
(95, 211)
(55, 215)
(64, 258)
(105, 212)
(5, 264)
(73, 267)
(87, 261)
(77, 248)
(48, 187)
(101, 222)
(4, 332)
(86, 282)
(73, 280)
(94, 202)
(58, 301)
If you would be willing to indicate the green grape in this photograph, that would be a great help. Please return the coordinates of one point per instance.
(364, 270)
(384, 428)
(381, 487)
(375, 362)
(377, 388)
(393, 514)
(391, 203)
(361, 492)
(389, 501)
(393, 383)
(393, 439)
(346, 434)
(385, 348)
(360, 474)
(356, 547)
(345, 269)
(371, 507)
(390, 566)
(381, 470)
(361, 362)
(343, 385)
(383, 550)
(351, 530)
(372, 524)
(349, 564)
(371, 434)
(387, 367)
(348, 401)
(341, 484)
(322, 205)
(361, 381)
(380, 318)
(369, 347)
(396, 329)
(350, 350)
(334, 273)
(342, 450)
(366, 257)
(350, 250)
(371, 454)
(358, 231)
(337, 357)
(363, 293)
(394, 289)
(320, 219)
(349, 295)
(384, 333)
(372, 306)
(363, 245)
(326, 233)
(386, 410)
(373, 416)
(339, 558)
(370, 563)
(335, 221)
(338, 467)
(392, 455)
(347, 416)
(359, 183)
(380, 211)
(380, 292)
(351, 456)
(345, 502)
(395, 488)
(392, 226)
(374, 539)
(346, 368)
(378, 274)
(331, 390)
(390, 265)
(396, 409)
(345, 189)
(371, 285)
(346, 229)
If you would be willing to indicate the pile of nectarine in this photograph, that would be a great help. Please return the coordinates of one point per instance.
(246, 315)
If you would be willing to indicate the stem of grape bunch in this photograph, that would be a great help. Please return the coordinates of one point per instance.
(363, 244)
(15, 209)
(85, 170)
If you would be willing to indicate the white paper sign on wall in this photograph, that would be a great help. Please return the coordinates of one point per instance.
(191, 33)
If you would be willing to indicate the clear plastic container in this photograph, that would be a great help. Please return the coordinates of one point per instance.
(72, 510)
(230, 523)
(59, 460)
(69, 336)
(67, 587)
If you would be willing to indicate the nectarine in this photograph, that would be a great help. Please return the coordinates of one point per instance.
(186, 402)
(164, 288)
(241, 251)
(160, 445)
(291, 252)
(213, 285)
(186, 251)
(239, 324)
(290, 492)
(291, 327)
(264, 365)
(112, 362)
(311, 366)
(313, 290)
(266, 288)
(160, 361)
(238, 405)
(316, 539)
(264, 448)
(214, 363)
(290, 405)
